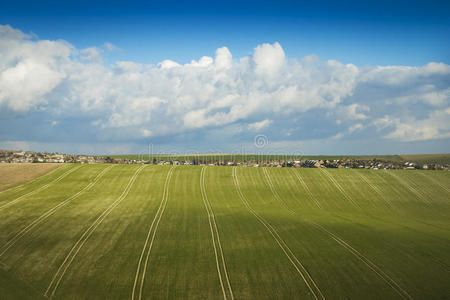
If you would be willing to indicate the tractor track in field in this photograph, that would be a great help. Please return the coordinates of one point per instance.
(274, 192)
(306, 188)
(56, 280)
(409, 187)
(151, 233)
(48, 213)
(376, 189)
(304, 274)
(414, 218)
(385, 182)
(401, 213)
(41, 188)
(371, 265)
(215, 238)
(339, 187)
(435, 182)
(394, 285)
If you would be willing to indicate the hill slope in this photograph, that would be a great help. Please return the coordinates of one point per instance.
(125, 231)
(17, 174)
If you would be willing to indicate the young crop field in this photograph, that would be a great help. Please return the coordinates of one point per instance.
(206, 232)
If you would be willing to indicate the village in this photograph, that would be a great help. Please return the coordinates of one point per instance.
(13, 156)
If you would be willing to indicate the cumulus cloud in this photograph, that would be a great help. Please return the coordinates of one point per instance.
(268, 59)
(92, 55)
(435, 126)
(352, 112)
(257, 126)
(29, 70)
(168, 64)
(223, 58)
(292, 99)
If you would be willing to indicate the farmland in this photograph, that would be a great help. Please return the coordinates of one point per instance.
(207, 232)
(15, 174)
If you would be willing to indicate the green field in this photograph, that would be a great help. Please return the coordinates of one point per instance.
(149, 232)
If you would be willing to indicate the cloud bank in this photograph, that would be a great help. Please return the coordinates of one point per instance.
(52, 92)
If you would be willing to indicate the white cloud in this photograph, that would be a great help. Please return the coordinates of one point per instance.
(136, 112)
(397, 75)
(269, 59)
(128, 67)
(168, 64)
(202, 62)
(257, 126)
(435, 126)
(93, 55)
(146, 132)
(110, 47)
(353, 112)
(436, 68)
(25, 84)
(129, 100)
(337, 136)
(223, 58)
(357, 126)
(435, 97)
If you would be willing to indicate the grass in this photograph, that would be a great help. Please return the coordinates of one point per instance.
(80, 232)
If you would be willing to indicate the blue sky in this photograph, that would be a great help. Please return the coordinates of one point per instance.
(360, 32)
(319, 77)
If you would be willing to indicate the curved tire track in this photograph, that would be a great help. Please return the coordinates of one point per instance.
(151, 233)
(275, 193)
(306, 277)
(48, 213)
(41, 188)
(215, 239)
(371, 265)
(53, 286)
(306, 188)
(339, 187)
